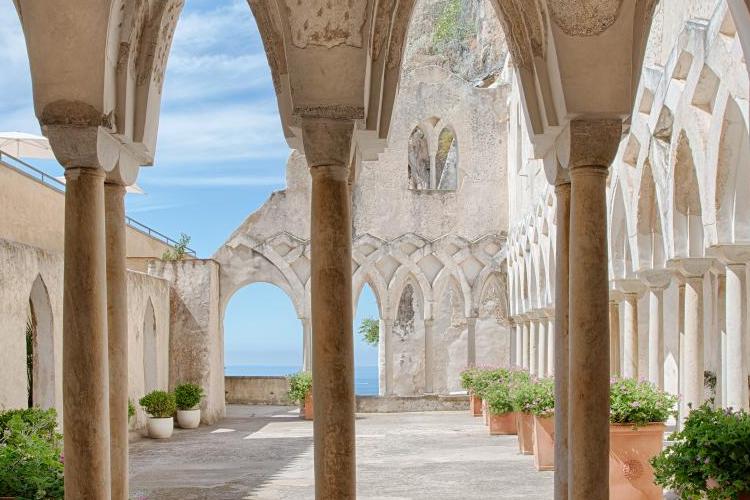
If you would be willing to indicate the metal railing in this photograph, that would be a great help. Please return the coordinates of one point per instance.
(32, 172)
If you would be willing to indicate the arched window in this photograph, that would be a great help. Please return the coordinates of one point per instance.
(419, 160)
(446, 161)
(40, 348)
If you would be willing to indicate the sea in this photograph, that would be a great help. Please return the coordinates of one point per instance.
(365, 377)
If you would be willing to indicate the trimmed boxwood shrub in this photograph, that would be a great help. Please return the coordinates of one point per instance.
(188, 396)
(159, 404)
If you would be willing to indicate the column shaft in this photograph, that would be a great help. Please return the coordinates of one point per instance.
(429, 356)
(589, 340)
(630, 337)
(85, 366)
(306, 345)
(117, 322)
(614, 338)
(526, 326)
(542, 349)
(534, 346)
(736, 328)
(332, 337)
(471, 354)
(386, 333)
(693, 360)
(519, 344)
(550, 347)
(656, 337)
(562, 361)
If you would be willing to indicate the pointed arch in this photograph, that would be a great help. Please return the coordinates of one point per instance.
(687, 210)
(492, 333)
(41, 346)
(408, 353)
(150, 350)
(419, 160)
(733, 178)
(649, 233)
(450, 335)
(446, 160)
(618, 236)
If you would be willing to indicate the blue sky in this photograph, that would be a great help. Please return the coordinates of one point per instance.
(220, 154)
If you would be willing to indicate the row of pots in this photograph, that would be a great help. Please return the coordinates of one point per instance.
(162, 427)
(630, 449)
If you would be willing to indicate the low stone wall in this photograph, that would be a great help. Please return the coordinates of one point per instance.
(257, 390)
(400, 404)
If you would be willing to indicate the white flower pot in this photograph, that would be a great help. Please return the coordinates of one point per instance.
(189, 419)
(160, 428)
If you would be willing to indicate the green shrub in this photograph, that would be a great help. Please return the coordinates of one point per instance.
(713, 447)
(188, 396)
(522, 392)
(638, 403)
(31, 462)
(300, 384)
(487, 377)
(159, 404)
(467, 378)
(543, 402)
(131, 409)
(498, 398)
(369, 329)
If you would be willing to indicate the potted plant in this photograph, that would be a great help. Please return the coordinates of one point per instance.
(160, 406)
(188, 397)
(542, 408)
(522, 392)
(300, 392)
(500, 405)
(467, 382)
(709, 458)
(482, 381)
(637, 414)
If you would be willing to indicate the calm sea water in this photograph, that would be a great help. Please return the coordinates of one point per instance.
(365, 377)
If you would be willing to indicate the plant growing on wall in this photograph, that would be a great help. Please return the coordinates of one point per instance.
(710, 456)
(369, 329)
(179, 251)
(188, 396)
(159, 404)
(450, 26)
(300, 385)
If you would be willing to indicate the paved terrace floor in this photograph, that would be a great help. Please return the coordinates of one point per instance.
(265, 452)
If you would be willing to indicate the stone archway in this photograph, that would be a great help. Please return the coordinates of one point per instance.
(150, 352)
(41, 347)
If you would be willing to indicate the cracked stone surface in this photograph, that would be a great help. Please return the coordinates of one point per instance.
(266, 452)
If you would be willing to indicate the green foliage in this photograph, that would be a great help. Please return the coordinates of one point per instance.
(450, 27)
(369, 329)
(188, 396)
(300, 384)
(498, 398)
(638, 403)
(30, 360)
(487, 377)
(159, 404)
(710, 457)
(131, 409)
(468, 377)
(179, 251)
(522, 392)
(31, 463)
(543, 403)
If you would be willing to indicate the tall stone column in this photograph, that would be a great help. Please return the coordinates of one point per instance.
(85, 349)
(429, 356)
(386, 332)
(471, 354)
(615, 298)
(117, 320)
(526, 327)
(562, 360)
(534, 344)
(593, 145)
(630, 289)
(549, 316)
(692, 270)
(306, 344)
(541, 367)
(735, 257)
(327, 147)
(657, 280)
(518, 327)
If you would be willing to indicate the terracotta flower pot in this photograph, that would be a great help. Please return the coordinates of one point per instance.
(544, 443)
(525, 425)
(503, 424)
(630, 450)
(475, 405)
(307, 409)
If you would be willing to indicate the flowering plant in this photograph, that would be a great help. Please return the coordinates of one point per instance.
(468, 377)
(543, 401)
(498, 398)
(489, 377)
(522, 392)
(638, 402)
(710, 456)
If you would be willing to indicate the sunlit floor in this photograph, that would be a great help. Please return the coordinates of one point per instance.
(265, 452)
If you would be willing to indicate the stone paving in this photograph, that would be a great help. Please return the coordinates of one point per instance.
(266, 452)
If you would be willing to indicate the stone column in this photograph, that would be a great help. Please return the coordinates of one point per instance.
(471, 354)
(549, 316)
(593, 145)
(85, 365)
(518, 326)
(735, 258)
(630, 289)
(526, 327)
(692, 270)
(562, 361)
(429, 356)
(117, 321)
(386, 332)
(534, 344)
(615, 298)
(657, 280)
(306, 344)
(541, 367)
(327, 146)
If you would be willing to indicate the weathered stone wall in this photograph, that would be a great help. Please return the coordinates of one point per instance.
(257, 390)
(23, 269)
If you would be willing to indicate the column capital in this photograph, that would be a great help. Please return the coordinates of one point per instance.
(628, 286)
(690, 267)
(731, 254)
(655, 279)
(547, 312)
(591, 142)
(327, 142)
